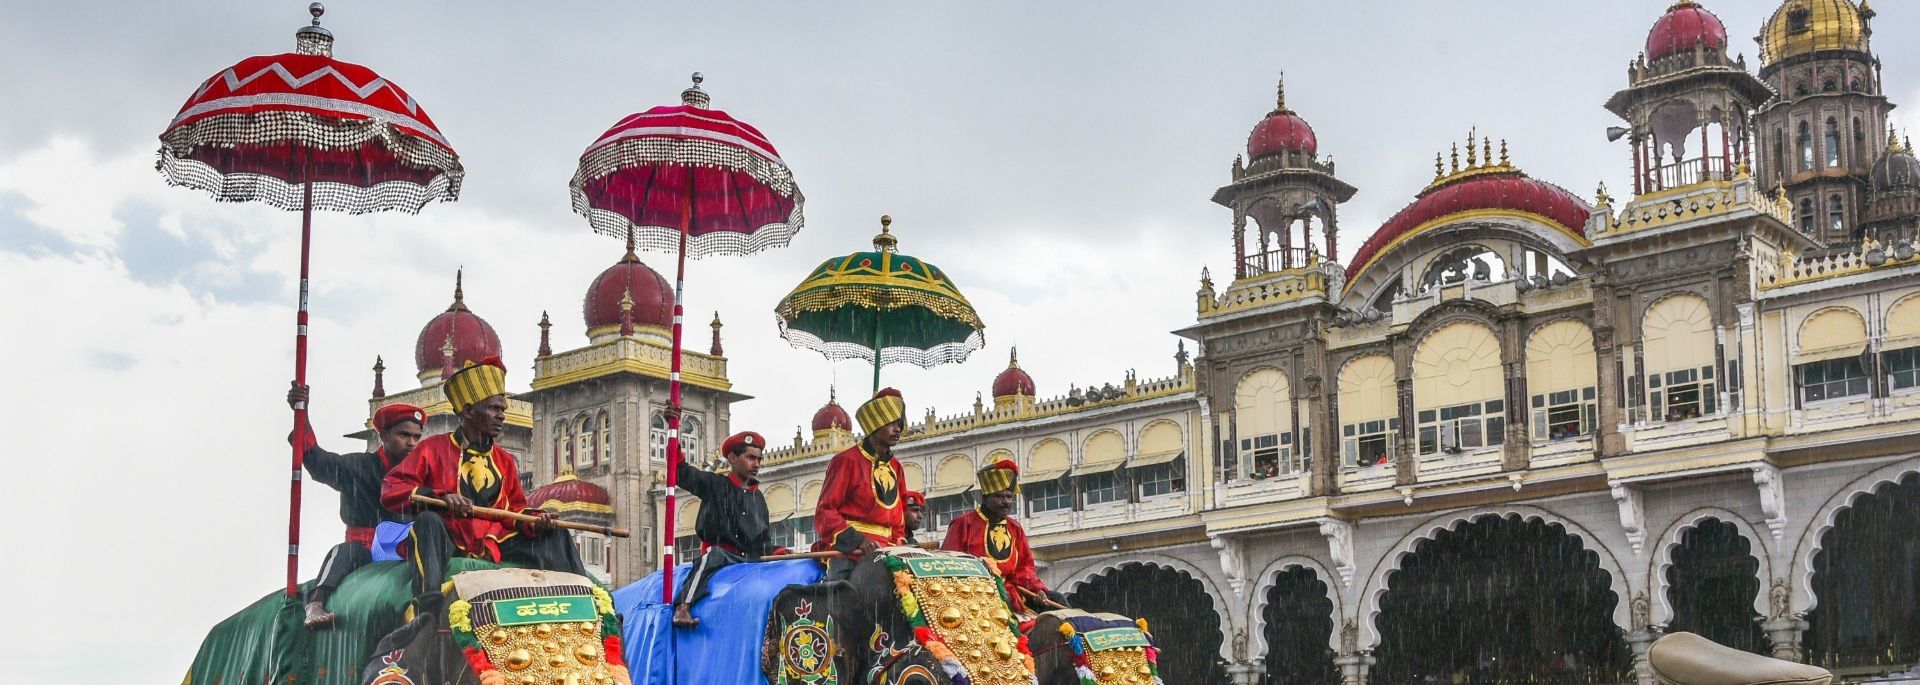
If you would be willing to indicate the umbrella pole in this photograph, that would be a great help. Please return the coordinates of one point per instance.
(299, 410)
(673, 414)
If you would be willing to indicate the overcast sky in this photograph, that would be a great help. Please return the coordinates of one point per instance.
(1054, 158)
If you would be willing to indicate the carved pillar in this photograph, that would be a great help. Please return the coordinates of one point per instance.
(1245, 672)
(1785, 627)
(1326, 440)
(1516, 448)
(1407, 447)
(1353, 667)
(1239, 244)
(1640, 636)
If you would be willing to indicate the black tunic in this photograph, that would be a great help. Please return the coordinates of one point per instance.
(731, 514)
(357, 476)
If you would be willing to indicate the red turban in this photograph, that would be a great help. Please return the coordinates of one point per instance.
(394, 413)
(740, 440)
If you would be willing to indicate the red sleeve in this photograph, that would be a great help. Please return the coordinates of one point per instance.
(1024, 573)
(413, 474)
(957, 534)
(900, 511)
(828, 521)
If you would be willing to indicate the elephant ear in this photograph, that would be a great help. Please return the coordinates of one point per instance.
(418, 652)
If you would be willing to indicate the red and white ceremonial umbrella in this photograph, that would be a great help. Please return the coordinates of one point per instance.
(695, 181)
(304, 131)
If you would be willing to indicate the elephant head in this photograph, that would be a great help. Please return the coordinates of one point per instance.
(507, 627)
(420, 651)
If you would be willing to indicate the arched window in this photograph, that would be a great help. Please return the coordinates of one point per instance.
(1806, 215)
(1829, 85)
(1263, 424)
(559, 453)
(1833, 142)
(1458, 390)
(690, 440)
(1678, 342)
(1805, 141)
(572, 445)
(1369, 411)
(1562, 381)
(1836, 213)
(606, 438)
(657, 438)
(1830, 362)
(589, 443)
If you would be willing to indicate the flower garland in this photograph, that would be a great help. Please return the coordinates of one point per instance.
(1083, 666)
(925, 635)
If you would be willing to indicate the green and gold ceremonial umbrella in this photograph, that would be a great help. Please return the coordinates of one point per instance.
(881, 306)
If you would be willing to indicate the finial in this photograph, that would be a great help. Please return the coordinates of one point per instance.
(1486, 151)
(631, 255)
(1600, 196)
(1893, 139)
(379, 375)
(546, 347)
(885, 242)
(715, 349)
(459, 291)
(1472, 159)
(694, 96)
(1454, 165)
(626, 312)
(1908, 146)
(311, 39)
(1013, 357)
(833, 394)
(446, 356)
(1280, 95)
(1438, 170)
(1503, 152)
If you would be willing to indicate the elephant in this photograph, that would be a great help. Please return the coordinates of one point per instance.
(507, 627)
(420, 651)
(1053, 657)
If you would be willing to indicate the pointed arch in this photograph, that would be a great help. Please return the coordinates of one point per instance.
(1256, 602)
(1658, 587)
(1804, 599)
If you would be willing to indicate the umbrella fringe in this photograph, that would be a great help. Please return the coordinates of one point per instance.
(719, 243)
(947, 304)
(628, 153)
(944, 353)
(180, 144)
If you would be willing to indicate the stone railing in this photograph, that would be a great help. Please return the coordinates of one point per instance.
(1318, 278)
(1870, 255)
(933, 425)
(1687, 203)
(629, 354)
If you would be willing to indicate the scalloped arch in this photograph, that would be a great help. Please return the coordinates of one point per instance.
(1810, 542)
(1256, 602)
(1377, 582)
(1207, 584)
(1662, 608)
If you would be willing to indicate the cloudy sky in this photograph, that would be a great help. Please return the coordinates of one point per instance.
(1055, 158)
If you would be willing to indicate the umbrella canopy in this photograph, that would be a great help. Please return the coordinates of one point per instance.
(693, 169)
(301, 131)
(881, 306)
(265, 127)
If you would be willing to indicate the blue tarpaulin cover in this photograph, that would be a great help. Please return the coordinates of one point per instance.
(725, 648)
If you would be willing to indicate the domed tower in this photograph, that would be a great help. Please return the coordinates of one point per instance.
(1827, 123)
(832, 419)
(1893, 195)
(1288, 192)
(1013, 388)
(1688, 105)
(629, 298)
(452, 339)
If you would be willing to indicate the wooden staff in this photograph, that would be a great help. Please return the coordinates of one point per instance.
(829, 554)
(502, 514)
(1036, 597)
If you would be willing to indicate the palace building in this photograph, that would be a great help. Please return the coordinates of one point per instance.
(1518, 435)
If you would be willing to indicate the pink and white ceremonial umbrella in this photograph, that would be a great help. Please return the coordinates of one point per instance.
(695, 181)
(302, 130)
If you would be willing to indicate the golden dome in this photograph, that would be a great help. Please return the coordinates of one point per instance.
(1803, 26)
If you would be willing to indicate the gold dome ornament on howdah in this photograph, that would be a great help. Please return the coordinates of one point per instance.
(950, 618)
(498, 637)
(587, 653)
(519, 660)
(1800, 27)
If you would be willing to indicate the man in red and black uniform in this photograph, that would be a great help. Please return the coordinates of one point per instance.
(357, 477)
(733, 518)
(990, 534)
(466, 468)
(861, 506)
(916, 510)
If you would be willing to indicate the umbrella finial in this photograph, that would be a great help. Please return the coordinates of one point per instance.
(885, 242)
(631, 255)
(459, 291)
(693, 96)
(311, 39)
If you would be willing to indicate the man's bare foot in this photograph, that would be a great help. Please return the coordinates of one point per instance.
(683, 616)
(317, 616)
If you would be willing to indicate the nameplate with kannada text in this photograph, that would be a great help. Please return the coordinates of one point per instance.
(510, 612)
(1115, 638)
(947, 567)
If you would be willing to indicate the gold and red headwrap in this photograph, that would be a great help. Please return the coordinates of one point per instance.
(475, 382)
(887, 406)
(999, 476)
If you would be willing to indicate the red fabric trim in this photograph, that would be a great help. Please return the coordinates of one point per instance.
(364, 536)
(615, 655)
(477, 659)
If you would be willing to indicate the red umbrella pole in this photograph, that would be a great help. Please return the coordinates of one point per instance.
(673, 404)
(299, 410)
